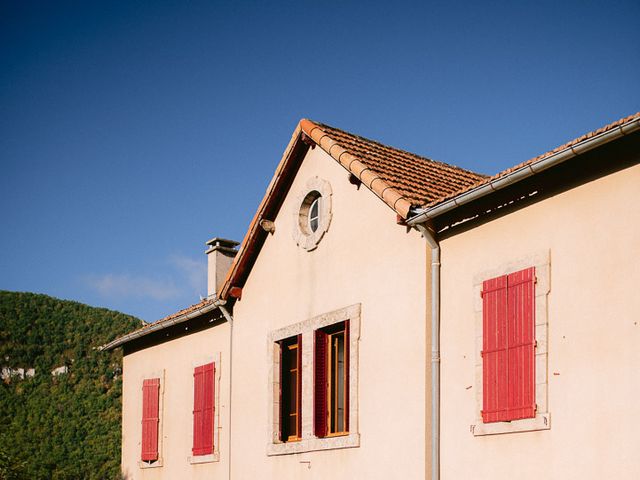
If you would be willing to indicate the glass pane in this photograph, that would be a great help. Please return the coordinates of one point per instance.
(314, 215)
(337, 391)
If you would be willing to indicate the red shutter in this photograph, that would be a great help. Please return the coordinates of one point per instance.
(280, 401)
(521, 343)
(198, 409)
(299, 393)
(320, 384)
(347, 343)
(508, 347)
(494, 350)
(203, 409)
(150, 418)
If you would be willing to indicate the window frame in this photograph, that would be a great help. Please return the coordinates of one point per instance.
(325, 419)
(215, 455)
(157, 374)
(304, 236)
(290, 344)
(307, 328)
(542, 419)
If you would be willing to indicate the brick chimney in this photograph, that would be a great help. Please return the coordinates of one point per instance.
(220, 253)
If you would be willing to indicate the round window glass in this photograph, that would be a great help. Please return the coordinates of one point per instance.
(314, 214)
(310, 214)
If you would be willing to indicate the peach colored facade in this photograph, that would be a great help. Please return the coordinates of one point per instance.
(174, 362)
(590, 237)
(576, 224)
(288, 285)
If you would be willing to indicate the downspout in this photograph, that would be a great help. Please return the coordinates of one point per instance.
(435, 349)
(229, 319)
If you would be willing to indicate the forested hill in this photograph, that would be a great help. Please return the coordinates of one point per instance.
(59, 395)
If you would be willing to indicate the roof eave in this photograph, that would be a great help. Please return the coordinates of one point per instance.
(118, 342)
(426, 214)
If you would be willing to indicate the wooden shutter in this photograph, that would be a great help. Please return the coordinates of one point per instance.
(320, 384)
(280, 399)
(150, 418)
(347, 343)
(299, 392)
(494, 350)
(203, 409)
(508, 347)
(521, 344)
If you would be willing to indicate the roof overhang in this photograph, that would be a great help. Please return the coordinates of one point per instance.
(530, 168)
(163, 324)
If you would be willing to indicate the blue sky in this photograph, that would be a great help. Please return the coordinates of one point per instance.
(132, 132)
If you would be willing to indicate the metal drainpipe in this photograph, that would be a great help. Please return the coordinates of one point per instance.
(229, 318)
(435, 350)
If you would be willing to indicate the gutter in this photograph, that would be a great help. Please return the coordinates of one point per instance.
(435, 349)
(425, 214)
(118, 342)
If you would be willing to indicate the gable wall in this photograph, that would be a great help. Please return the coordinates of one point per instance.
(591, 237)
(364, 258)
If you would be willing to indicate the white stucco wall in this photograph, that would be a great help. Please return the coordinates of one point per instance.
(174, 363)
(366, 259)
(592, 236)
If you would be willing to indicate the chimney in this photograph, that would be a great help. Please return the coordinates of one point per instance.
(220, 256)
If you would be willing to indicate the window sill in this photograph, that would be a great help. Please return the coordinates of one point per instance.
(197, 459)
(351, 440)
(154, 464)
(542, 421)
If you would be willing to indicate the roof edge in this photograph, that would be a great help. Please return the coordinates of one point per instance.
(550, 159)
(251, 237)
(161, 325)
(353, 164)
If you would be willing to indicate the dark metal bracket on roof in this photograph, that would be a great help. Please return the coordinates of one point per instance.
(307, 140)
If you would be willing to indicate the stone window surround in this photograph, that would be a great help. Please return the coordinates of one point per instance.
(309, 240)
(309, 441)
(215, 456)
(154, 374)
(542, 421)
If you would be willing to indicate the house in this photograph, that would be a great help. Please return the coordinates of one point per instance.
(389, 316)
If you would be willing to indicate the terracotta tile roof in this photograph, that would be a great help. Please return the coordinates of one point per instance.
(504, 173)
(401, 179)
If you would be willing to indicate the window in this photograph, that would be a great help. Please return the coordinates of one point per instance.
(150, 419)
(331, 380)
(312, 213)
(313, 383)
(508, 347)
(203, 409)
(291, 389)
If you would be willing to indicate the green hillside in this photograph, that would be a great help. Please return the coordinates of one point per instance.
(64, 426)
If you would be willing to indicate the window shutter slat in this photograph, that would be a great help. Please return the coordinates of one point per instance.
(494, 350)
(320, 384)
(521, 343)
(150, 418)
